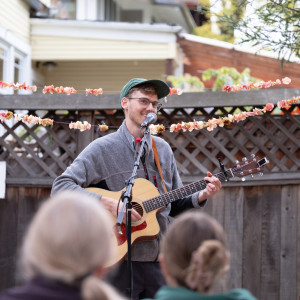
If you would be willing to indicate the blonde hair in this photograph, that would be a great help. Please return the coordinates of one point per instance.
(194, 251)
(69, 238)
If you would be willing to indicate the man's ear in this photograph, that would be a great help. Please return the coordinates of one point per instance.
(124, 103)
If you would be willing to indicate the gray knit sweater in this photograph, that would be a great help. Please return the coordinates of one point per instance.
(108, 162)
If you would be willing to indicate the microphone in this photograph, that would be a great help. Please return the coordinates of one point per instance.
(151, 118)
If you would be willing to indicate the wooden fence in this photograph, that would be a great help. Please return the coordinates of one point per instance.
(261, 215)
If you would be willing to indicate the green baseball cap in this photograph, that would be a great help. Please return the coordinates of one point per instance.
(162, 88)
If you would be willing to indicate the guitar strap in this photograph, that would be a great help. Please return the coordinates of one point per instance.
(158, 163)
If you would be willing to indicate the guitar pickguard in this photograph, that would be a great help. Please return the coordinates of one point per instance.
(121, 237)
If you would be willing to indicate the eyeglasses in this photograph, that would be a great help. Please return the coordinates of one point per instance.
(145, 102)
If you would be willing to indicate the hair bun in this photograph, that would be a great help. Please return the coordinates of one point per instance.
(206, 264)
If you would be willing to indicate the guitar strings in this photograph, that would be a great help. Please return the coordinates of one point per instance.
(176, 194)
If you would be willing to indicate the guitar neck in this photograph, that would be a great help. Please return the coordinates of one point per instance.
(164, 199)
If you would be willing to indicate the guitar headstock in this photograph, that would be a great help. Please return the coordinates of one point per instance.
(249, 166)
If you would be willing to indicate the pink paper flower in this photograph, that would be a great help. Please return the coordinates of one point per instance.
(269, 106)
(286, 80)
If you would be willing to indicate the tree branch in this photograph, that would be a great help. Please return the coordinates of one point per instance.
(292, 9)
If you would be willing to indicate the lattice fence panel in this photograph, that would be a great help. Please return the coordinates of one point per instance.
(41, 153)
(37, 152)
(276, 136)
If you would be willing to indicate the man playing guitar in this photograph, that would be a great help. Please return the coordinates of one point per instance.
(108, 162)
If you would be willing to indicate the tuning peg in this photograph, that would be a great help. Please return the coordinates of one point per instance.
(252, 155)
(260, 173)
(237, 162)
(252, 175)
(243, 178)
(244, 159)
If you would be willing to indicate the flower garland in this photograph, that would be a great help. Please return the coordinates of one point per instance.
(51, 89)
(154, 129)
(95, 92)
(30, 119)
(5, 116)
(213, 123)
(175, 91)
(287, 103)
(260, 85)
(159, 128)
(18, 86)
(81, 126)
(59, 90)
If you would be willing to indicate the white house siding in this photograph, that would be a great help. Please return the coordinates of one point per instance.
(109, 75)
(14, 16)
(68, 48)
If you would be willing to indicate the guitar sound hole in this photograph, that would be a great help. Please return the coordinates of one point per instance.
(138, 208)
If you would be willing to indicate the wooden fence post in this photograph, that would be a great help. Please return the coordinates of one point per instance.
(87, 136)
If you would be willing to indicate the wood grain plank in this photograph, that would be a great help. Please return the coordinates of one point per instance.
(85, 138)
(270, 243)
(288, 253)
(218, 206)
(111, 101)
(233, 225)
(26, 209)
(298, 242)
(252, 239)
(8, 238)
(217, 211)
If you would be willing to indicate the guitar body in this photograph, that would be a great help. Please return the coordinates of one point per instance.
(145, 229)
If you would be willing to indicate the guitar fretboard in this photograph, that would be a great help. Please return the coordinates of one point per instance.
(164, 199)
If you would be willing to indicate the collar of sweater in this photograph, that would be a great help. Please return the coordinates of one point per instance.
(128, 139)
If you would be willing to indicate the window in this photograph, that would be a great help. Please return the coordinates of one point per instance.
(3, 66)
(63, 9)
(106, 10)
(14, 67)
(110, 10)
(17, 70)
(2, 57)
(131, 15)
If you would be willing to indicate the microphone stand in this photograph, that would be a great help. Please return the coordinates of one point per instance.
(127, 205)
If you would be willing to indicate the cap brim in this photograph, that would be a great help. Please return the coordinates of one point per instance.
(162, 88)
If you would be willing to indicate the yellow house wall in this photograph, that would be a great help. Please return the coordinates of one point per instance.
(68, 48)
(14, 16)
(109, 75)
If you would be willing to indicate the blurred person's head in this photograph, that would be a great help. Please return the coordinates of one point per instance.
(194, 253)
(70, 240)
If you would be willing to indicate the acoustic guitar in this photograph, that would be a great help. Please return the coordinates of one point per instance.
(147, 201)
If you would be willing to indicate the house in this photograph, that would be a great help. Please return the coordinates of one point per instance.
(103, 43)
(90, 43)
(15, 49)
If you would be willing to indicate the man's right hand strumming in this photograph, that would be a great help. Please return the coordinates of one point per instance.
(112, 205)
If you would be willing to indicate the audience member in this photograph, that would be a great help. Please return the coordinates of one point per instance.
(194, 258)
(65, 250)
